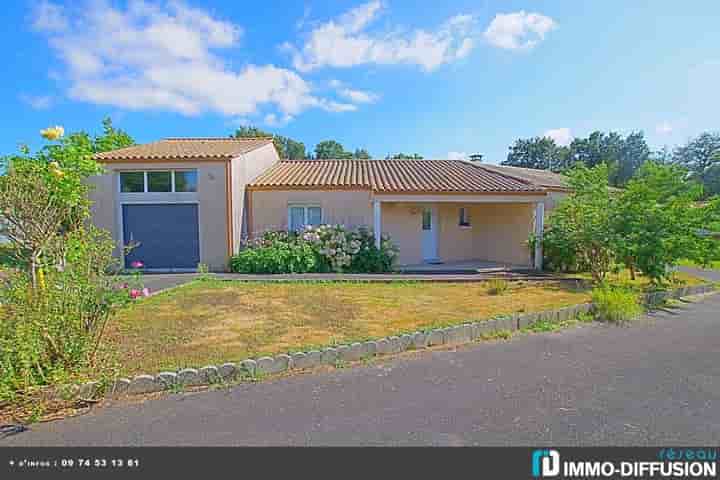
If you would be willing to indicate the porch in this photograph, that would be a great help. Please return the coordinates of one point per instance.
(467, 234)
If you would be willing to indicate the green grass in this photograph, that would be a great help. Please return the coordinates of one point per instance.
(689, 263)
(211, 321)
(616, 304)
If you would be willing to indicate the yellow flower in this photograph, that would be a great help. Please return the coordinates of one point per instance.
(53, 133)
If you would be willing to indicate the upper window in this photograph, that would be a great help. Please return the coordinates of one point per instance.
(301, 215)
(159, 181)
(464, 217)
(132, 182)
(186, 180)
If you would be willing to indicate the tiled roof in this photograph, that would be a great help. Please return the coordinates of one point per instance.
(543, 178)
(389, 176)
(185, 148)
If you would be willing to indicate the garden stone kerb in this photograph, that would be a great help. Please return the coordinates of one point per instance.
(455, 335)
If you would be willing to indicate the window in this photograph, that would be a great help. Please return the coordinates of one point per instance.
(132, 182)
(186, 181)
(301, 215)
(159, 182)
(464, 220)
(427, 219)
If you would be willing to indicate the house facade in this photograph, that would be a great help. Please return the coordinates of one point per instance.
(182, 202)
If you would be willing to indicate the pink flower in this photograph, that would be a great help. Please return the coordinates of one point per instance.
(146, 292)
(135, 293)
(137, 264)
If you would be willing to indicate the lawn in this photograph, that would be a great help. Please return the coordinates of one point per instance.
(213, 321)
(689, 263)
(210, 321)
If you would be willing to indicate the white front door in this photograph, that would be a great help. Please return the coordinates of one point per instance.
(430, 234)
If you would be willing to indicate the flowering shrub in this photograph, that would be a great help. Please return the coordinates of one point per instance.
(316, 249)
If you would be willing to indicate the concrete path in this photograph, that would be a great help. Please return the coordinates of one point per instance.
(653, 383)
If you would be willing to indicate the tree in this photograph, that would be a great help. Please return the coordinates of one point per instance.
(701, 155)
(624, 155)
(361, 153)
(331, 150)
(634, 152)
(538, 152)
(286, 147)
(579, 235)
(45, 194)
(404, 156)
(656, 221)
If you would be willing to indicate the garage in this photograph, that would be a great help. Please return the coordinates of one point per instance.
(165, 236)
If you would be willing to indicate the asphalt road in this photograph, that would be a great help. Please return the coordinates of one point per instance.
(655, 382)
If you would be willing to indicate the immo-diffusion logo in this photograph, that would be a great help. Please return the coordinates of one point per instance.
(545, 463)
(670, 463)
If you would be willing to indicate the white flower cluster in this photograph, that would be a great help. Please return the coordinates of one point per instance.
(335, 243)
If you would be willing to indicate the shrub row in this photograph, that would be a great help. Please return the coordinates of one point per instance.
(316, 249)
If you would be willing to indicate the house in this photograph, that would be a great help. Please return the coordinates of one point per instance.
(185, 201)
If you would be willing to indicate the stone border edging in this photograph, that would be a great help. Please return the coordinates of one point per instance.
(455, 335)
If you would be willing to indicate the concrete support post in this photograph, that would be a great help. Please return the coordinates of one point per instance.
(539, 228)
(377, 222)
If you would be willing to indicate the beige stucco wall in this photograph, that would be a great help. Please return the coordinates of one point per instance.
(498, 231)
(552, 200)
(245, 169)
(212, 210)
(346, 207)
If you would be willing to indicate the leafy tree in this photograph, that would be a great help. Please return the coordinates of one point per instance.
(634, 152)
(701, 155)
(45, 194)
(361, 153)
(404, 156)
(656, 221)
(330, 150)
(538, 152)
(286, 147)
(579, 235)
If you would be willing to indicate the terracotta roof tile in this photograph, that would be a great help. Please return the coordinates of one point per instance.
(543, 178)
(185, 148)
(390, 176)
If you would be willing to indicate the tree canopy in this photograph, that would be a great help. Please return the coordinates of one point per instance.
(701, 156)
(286, 147)
(623, 155)
(332, 150)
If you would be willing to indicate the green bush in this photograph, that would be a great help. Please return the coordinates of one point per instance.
(325, 248)
(616, 304)
(49, 331)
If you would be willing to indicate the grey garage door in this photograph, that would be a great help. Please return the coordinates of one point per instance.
(165, 235)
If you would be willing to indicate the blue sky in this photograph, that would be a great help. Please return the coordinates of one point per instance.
(444, 79)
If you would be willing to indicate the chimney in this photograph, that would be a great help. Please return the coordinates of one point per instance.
(476, 157)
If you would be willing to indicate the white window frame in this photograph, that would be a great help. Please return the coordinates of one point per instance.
(305, 207)
(145, 179)
(464, 214)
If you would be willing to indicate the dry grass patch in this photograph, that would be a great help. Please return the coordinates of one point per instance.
(214, 321)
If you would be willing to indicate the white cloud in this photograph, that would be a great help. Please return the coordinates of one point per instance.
(38, 102)
(343, 42)
(664, 128)
(562, 136)
(457, 156)
(518, 30)
(353, 95)
(152, 56)
(49, 17)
